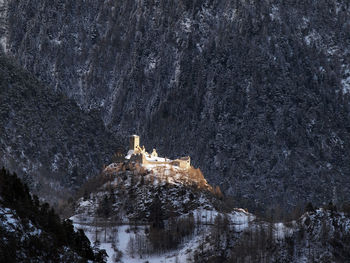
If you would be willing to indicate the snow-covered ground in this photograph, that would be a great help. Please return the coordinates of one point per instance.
(183, 193)
(12, 223)
(120, 235)
(8, 219)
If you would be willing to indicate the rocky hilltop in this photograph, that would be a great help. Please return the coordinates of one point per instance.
(257, 91)
(131, 189)
(163, 213)
(149, 211)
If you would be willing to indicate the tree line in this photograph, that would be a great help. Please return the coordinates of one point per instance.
(56, 234)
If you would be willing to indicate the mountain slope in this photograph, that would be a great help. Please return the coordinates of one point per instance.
(32, 232)
(45, 136)
(318, 236)
(250, 88)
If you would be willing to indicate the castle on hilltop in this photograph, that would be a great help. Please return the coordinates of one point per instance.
(138, 154)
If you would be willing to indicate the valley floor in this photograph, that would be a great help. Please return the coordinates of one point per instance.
(125, 233)
(122, 240)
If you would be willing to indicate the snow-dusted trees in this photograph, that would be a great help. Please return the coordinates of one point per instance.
(105, 207)
(170, 234)
(55, 238)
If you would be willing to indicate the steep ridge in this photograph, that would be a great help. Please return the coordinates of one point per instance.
(46, 138)
(250, 88)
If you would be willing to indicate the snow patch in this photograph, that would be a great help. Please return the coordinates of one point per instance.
(128, 155)
(3, 44)
(54, 164)
(312, 37)
(230, 14)
(274, 15)
(9, 220)
(56, 42)
(346, 81)
(186, 25)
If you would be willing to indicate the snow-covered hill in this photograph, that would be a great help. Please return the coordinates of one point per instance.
(161, 213)
(131, 189)
(120, 214)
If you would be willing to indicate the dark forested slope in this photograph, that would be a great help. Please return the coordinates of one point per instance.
(33, 232)
(255, 91)
(45, 137)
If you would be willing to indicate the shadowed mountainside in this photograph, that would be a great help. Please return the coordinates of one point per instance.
(45, 137)
(256, 92)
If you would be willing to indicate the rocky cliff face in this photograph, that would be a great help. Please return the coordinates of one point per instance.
(255, 92)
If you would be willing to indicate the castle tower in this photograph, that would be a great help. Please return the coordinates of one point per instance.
(154, 153)
(134, 142)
